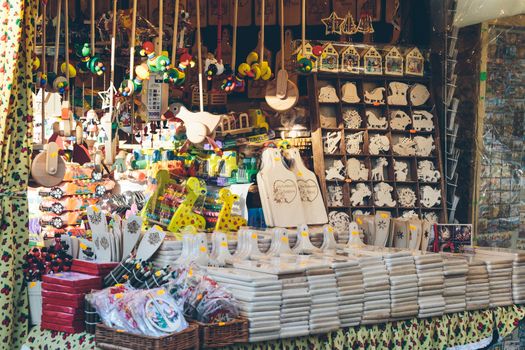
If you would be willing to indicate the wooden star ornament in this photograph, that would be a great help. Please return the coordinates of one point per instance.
(333, 24)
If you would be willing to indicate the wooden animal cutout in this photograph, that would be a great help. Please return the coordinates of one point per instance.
(400, 170)
(430, 196)
(378, 170)
(376, 96)
(184, 215)
(426, 171)
(383, 195)
(378, 144)
(331, 142)
(335, 196)
(375, 122)
(356, 170)
(424, 145)
(199, 125)
(399, 120)
(405, 147)
(359, 193)
(397, 93)
(227, 222)
(349, 92)
(422, 121)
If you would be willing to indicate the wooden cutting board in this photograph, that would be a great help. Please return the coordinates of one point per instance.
(270, 16)
(99, 229)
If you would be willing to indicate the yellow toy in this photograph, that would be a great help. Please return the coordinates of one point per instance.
(226, 222)
(257, 119)
(184, 215)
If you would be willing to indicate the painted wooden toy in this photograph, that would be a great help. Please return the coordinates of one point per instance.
(394, 62)
(336, 171)
(376, 96)
(378, 170)
(430, 197)
(422, 121)
(373, 62)
(184, 215)
(424, 145)
(426, 171)
(397, 93)
(329, 61)
(414, 62)
(350, 60)
(406, 197)
(353, 142)
(349, 92)
(419, 94)
(375, 122)
(226, 222)
(378, 144)
(356, 170)
(352, 118)
(327, 94)
(89, 62)
(383, 195)
(399, 120)
(200, 126)
(156, 63)
(400, 170)
(359, 193)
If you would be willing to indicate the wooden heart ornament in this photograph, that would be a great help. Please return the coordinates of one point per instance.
(308, 190)
(284, 191)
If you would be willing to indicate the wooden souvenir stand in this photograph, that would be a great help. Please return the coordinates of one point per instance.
(320, 129)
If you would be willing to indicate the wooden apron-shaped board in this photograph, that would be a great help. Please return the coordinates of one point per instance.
(150, 243)
(131, 229)
(282, 193)
(414, 230)
(99, 229)
(310, 193)
(382, 228)
(400, 233)
(265, 168)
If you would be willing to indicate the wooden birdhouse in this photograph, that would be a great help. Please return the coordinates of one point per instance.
(350, 60)
(309, 53)
(329, 61)
(373, 62)
(414, 62)
(394, 62)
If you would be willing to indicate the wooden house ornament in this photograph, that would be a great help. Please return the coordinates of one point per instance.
(394, 62)
(309, 53)
(373, 62)
(350, 60)
(414, 62)
(329, 61)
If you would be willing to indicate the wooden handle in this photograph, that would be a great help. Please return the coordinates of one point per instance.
(92, 27)
(282, 33)
(234, 49)
(132, 48)
(175, 33)
(161, 19)
(199, 55)
(263, 10)
(113, 39)
(219, 31)
(57, 36)
(303, 26)
(66, 47)
(44, 70)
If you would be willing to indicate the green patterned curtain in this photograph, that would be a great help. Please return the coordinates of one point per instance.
(17, 24)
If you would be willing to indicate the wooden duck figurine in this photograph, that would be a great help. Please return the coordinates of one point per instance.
(200, 126)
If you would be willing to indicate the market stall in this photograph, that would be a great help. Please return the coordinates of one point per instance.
(251, 175)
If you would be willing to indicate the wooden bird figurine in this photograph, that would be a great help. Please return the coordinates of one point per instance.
(200, 126)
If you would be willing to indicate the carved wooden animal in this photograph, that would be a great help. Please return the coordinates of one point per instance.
(383, 195)
(359, 193)
(400, 170)
(353, 142)
(226, 222)
(378, 170)
(184, 215)
(430, 196)
(375, 96)
(424, 145)
(336, 171)
(426, 171)
(378, 144)
(405, 147)
(199, 125)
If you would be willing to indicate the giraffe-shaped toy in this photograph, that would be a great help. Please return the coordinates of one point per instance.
(184, 215)
(227, 222)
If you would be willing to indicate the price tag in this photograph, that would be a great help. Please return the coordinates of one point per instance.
(160, 292)
(202, 248)
(254, 235)
(355, 233)
(284, 239)
(330, 229)
(119, 295)
(277, 159)
(158, 273)
(83, 246)
(221, 324)
(95, 209)
(412, 227)
(224, 244)
(190, 272)
(304, 234)
(384, 215)
(359, 221)
(299, 173)
(32, 285)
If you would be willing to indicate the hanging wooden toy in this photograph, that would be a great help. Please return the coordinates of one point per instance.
(133, 85)
(177, 74)
(306, 59)
(282, 94)
(89, 62)
(213, 65)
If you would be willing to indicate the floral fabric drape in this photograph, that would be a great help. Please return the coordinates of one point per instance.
(17, 24)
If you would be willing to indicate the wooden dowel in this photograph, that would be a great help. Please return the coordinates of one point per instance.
(303, 26)
(161, 20)
(199, 53)
(44, 71)
(175, 33)
(234, 48)
(66, 47)
(282, 33)
(113, 39)
(261, 54)
(133, 37)
(57, 36)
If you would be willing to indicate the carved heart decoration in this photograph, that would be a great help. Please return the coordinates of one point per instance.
(308, 190)
(284, 191)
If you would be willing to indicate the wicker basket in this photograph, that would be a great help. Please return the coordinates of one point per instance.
(110, 339)
(215, 335)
